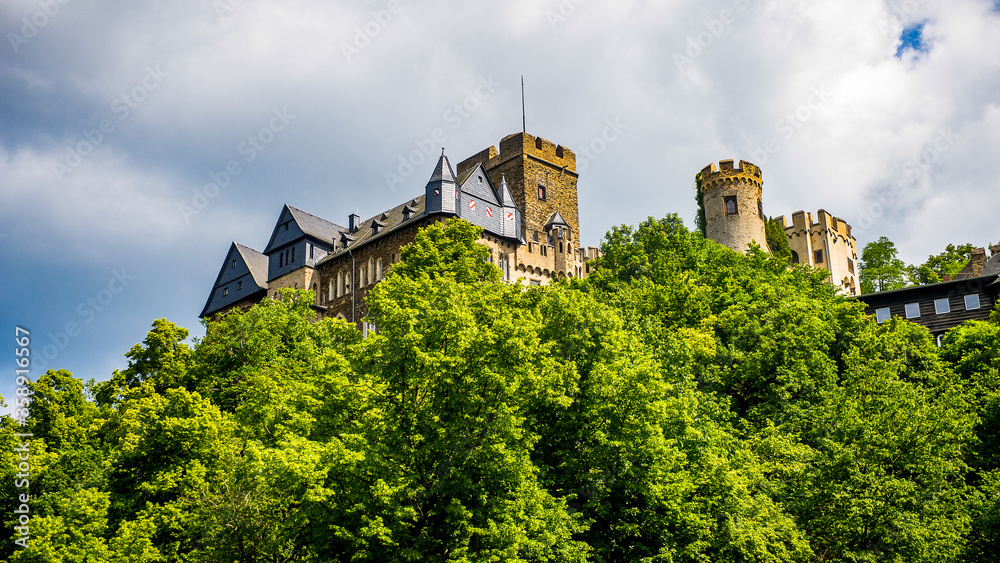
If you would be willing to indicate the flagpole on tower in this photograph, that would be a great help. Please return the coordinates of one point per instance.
(524, 128)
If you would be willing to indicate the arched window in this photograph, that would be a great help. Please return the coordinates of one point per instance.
(293, 254)
(731, 205)
(329, 292)
(362, 278)
(316, 293)
(281, 260)
(347, 283)
(371, 271)
(795, 257)
(378, 269)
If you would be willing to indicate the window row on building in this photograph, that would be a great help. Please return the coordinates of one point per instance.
(941, 306)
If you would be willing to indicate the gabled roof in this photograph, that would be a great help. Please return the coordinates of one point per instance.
(476, 182)
(315, 226)
(309, 224)
(394, 219)
(256, 262)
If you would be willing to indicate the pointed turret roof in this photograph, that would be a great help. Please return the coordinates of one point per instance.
(443, 171)
(556, 220)
(506, 198)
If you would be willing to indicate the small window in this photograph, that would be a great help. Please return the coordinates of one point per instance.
(941, 306)
(760, 209)
(541, 192)
(293, 254)
(971, 301)
(239, 285)
(535, 282)
(882, 315)
(234, 263)
(281, 260)
(818, 257)
(850, 265)
(534, 236)
(795, 257)
(912, 310)
(225, 291)
(311, 248)
(731, 207)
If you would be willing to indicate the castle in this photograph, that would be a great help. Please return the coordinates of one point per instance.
(734, 217)
(523, 195)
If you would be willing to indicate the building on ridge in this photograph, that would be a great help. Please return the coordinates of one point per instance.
(524, 196)
(827, 244)
(734, 217)
(970, 296)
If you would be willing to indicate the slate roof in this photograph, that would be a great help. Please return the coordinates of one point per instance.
(443, 170)
(393, 220)
(257, 262)
(315, 226)
(556, 219)
(992, 265)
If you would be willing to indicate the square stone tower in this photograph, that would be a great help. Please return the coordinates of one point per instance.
(541, 176)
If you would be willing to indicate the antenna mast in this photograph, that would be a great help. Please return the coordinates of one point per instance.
(524, 129)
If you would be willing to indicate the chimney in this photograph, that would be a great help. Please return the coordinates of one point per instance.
(353, 222)
(995, 250)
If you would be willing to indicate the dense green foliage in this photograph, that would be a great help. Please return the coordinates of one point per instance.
(685, 403)
(777, 240)
(700, 220)
(949, 262)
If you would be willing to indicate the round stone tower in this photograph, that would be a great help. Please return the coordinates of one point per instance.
(734, 213)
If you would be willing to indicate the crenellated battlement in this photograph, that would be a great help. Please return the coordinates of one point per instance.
(803, 222)
(525, 143)
(726, 173)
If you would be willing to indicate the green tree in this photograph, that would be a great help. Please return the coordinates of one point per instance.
(879, 269)
(777, 240)
(162, 359)
(949, 262)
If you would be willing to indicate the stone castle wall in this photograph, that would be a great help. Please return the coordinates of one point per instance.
(825, 243)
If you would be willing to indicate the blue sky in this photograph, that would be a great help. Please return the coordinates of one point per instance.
(117, 117)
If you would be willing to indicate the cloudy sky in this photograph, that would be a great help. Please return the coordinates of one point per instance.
(139, 138)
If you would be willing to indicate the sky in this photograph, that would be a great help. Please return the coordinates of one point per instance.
(138, 139)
